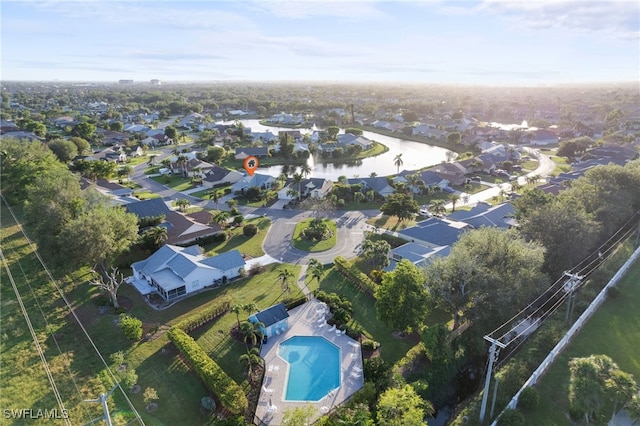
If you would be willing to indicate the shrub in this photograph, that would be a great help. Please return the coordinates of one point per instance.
(117, 357)
(511, 418)
(370, 345)
(150, 394)
(250, 230)
(529, 399)
(255, 269)
(340, 202)
(353, 274)
(131, 327)
(217, 308)
(230, 395)
(238, 219)
(130, 378)
(208, 403)
(102, 300)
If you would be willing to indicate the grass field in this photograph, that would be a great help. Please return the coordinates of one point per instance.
(390, 222)
(314, 246)
(175, 182)
(251, 246)
(614, 330)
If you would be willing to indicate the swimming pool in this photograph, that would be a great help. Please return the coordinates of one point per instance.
(314, 367)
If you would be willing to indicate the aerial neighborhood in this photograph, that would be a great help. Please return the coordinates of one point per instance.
(384, 248)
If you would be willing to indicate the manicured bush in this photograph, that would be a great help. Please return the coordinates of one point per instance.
(250, 230)
(370, 345)
(130, 378)
(353, 274)
(215, 309)
(230, 395)
(131, 327)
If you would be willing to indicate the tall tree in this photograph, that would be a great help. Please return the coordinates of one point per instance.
(402, 206)
(109, 283)
(64, 149)
(251, 359)
(285, 276)
(454, 198)
(297, 180)
(401, 298)
(99, 236)
(305, 170)
(397, 161)
(376, 253)
(402, 407)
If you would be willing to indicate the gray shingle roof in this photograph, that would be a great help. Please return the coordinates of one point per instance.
(436, 231)
(272, 314)
(224, 261)
(147, 208)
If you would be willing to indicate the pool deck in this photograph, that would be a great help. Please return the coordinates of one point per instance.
(306, 320)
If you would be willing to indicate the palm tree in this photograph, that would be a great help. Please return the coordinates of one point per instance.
(166, 163)
(251, 333)
(297, 179)
(305, 170)
(284, 275)
(232, 202)
(315, 269)
(236, 310)
(157, 234)
(215, 196)
(183, 203)
(373, 174)
(152, 160)
(249, 307)
(221, 218)
(437, 207)
(282, 179)
(358, 197)
(397, 160)
(454, 198)
(371, 194)
(182, 162)
(251, 359)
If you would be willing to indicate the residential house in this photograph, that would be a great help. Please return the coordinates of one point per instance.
(258, 151)
(258, 179)
(22, 135)
(110, 137)
(435, 232)
(191, 121)
(379, 184)
(114, 153)
(543, 137)
(266, 137)
(415, 253)
(429, 132)
(348, 139)
(310, 187)
(8, 126)
(174, 271)
(454, 172)
(218, 176)
(295, 134)
(274, 320)
(484, 214)
(180, 228)
(136, 128)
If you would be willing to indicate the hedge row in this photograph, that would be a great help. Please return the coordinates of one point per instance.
(229, 393)
(219, 307)
(357, 277)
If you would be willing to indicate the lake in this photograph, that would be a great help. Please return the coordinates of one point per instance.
(415, 155)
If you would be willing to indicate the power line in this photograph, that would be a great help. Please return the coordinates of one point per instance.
(71, 309)
(45, 364)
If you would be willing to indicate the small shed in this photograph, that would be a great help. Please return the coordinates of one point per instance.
(274, 318)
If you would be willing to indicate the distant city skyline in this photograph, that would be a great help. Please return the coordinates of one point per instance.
(489, 42)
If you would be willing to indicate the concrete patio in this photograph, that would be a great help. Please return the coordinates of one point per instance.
(306, 320)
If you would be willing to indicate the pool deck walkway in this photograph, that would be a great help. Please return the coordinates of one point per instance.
(307, 320)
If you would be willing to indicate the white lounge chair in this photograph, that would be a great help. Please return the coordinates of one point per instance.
(333, 328)
(267, 390)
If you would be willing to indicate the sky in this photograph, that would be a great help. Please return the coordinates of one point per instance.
(487, 42)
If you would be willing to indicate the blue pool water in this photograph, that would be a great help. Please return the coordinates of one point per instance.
(314, 367)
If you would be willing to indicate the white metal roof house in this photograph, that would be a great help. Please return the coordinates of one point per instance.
(174, 271)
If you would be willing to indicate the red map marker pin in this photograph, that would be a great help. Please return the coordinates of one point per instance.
(251, 164)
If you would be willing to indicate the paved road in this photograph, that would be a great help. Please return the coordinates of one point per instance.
(351, 224)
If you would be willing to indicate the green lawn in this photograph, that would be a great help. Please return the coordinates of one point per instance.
(175, 182)
(204, 193)
(364, 313)
(314, 246)
(614, 330)
(390, 222)
(251, 246)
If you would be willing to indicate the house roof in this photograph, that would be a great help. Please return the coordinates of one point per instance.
(416, 253)
(224, 261)
(216, 173)
(257, 150)
(483, 214)
(439, 232)
(148, 208)
(378, 183)
(272, 315)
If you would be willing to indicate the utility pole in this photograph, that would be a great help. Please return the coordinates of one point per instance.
(493, 355)
(102, 399)
(569, 287)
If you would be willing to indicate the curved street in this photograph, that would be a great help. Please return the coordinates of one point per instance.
(351, 225)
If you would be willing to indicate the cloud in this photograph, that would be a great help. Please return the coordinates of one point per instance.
(620, 19)
(301, 9)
